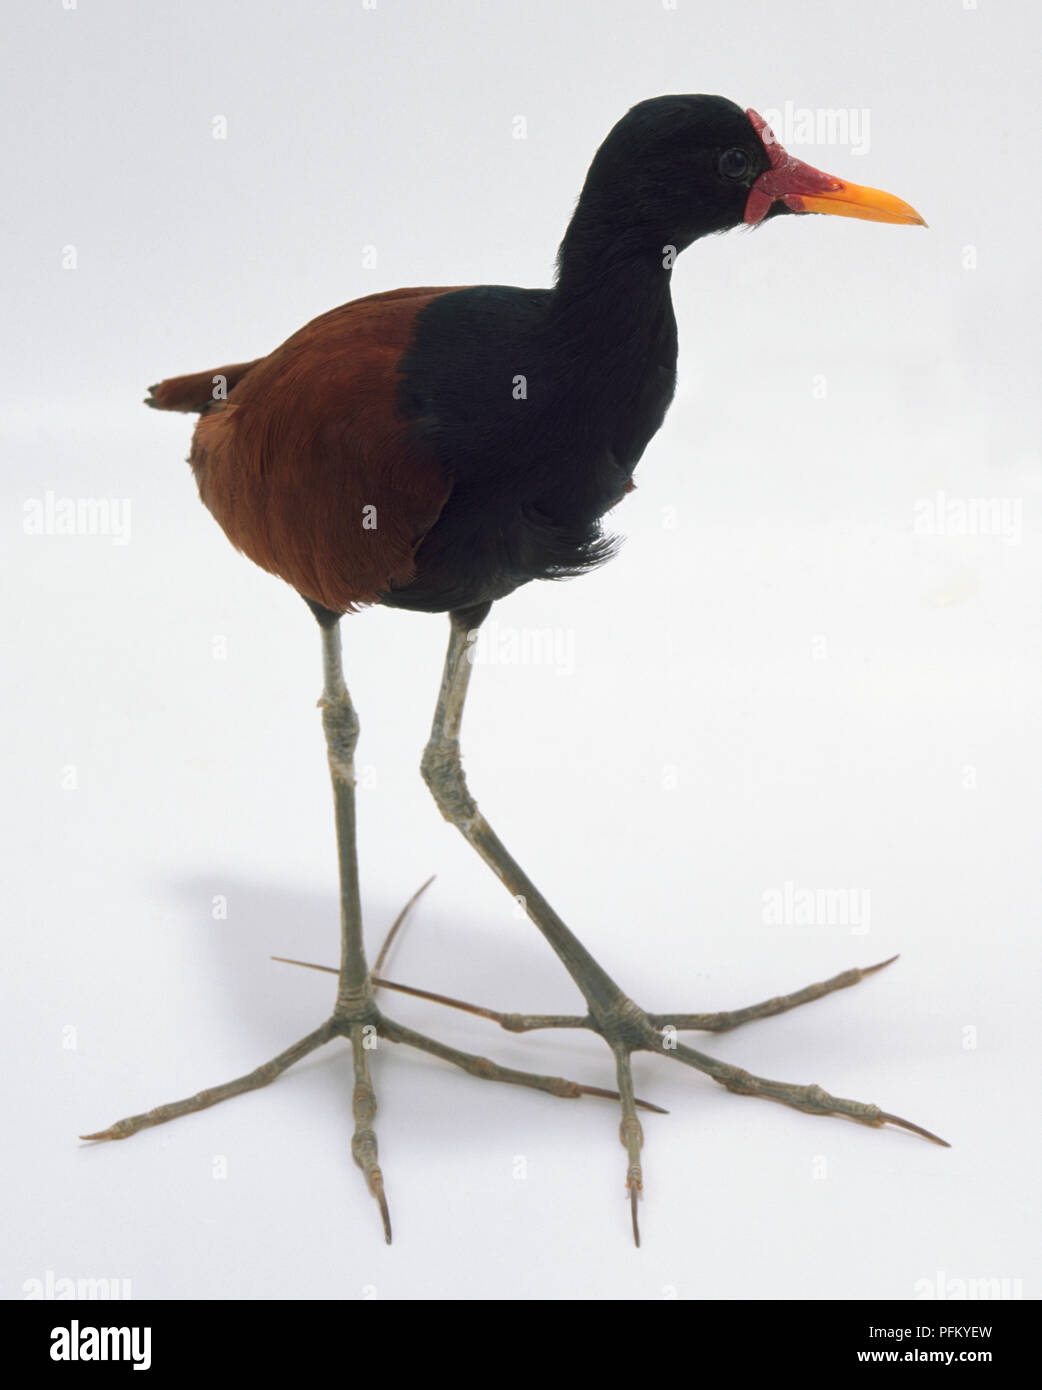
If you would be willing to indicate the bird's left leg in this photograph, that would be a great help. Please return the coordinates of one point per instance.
(610, 1012)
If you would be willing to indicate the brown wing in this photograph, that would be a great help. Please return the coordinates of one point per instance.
(308, 468)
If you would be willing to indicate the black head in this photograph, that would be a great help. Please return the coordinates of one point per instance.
(677, 168)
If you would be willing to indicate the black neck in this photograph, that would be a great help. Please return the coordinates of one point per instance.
(613, 280)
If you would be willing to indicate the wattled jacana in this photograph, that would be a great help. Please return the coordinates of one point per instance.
(433, 449)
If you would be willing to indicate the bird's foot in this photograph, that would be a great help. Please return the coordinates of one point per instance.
(637, 1031)
(625, 1027)
(628, 1029)
(362, 1024)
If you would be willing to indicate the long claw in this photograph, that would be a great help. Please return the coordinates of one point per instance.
(511, 1022)
(865, 969)
(385, 1215)
(634, 1219)
(886, 1118)
(605, 1094)
(398, 923)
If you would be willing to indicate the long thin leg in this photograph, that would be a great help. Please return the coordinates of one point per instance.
(443, 773)
(341, 728)
(611, 1012)
(354, 992)
(624, 1026)
(617, 1018)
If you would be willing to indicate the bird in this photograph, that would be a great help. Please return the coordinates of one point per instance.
(433, 449)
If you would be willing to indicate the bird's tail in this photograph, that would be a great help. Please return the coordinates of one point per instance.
(195, 394)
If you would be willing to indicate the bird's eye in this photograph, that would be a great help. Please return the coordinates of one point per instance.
(733, 164)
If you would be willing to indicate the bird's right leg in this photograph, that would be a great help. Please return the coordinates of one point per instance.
(355, 1015)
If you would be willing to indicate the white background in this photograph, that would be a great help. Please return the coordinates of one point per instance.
(780, 679)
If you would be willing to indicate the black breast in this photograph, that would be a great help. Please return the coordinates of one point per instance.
(538, 431)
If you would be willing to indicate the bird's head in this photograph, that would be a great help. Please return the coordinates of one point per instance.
(677, 168)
